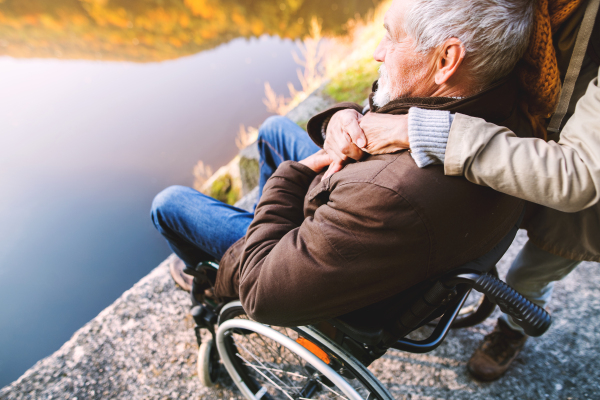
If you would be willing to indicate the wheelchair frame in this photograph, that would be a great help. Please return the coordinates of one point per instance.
(351, 354)
(354, 348)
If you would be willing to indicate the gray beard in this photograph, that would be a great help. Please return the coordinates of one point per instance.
(382, 94)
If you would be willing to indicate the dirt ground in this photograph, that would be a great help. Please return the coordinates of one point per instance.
(143, 347)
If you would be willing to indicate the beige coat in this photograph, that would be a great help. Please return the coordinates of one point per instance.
(560, 178)
(563, 175)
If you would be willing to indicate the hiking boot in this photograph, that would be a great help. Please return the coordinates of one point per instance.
(182, 279)
(495, 354)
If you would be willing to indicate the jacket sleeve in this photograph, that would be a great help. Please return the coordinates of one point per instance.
(296, 272)
(563, 175)
(315, 124)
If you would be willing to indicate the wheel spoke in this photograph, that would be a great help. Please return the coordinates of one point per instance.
(261, 364)
(275, 354)
(286, 372)
(311, 387)
(331, 390)
(279, 358)
(266, 377)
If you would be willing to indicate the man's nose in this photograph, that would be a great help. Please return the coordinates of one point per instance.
(379, 54)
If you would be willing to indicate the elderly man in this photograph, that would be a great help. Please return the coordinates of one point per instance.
(318, 248)
(560, 177)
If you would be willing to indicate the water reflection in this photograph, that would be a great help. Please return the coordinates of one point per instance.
(156, 30)
(84, 147)
(85, 144)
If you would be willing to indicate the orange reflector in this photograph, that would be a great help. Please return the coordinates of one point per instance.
(313, 348)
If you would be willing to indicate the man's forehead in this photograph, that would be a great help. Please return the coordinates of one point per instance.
(392, 21)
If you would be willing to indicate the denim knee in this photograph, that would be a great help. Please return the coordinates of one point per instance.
(272, 128)
(163, 203)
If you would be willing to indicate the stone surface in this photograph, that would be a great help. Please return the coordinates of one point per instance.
(313, 104)
(143, 347)
(250, 152)
(249, 167)
(247, 202)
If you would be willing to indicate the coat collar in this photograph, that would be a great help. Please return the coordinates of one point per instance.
(494, 104)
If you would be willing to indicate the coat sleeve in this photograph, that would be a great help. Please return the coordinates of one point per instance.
(563, 175)
(301, 272)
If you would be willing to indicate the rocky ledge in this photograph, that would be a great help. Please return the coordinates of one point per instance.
(143, 347)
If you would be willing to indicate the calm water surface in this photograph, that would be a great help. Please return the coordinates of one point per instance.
(95, 119)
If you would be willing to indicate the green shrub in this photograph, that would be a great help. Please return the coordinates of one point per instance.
(354, 84)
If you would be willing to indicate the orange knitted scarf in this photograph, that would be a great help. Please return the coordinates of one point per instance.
(538, 71)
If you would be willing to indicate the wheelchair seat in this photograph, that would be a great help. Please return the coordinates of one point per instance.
(444, 295)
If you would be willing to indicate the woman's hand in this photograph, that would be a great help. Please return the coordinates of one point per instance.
(385, 133)
(351, 135)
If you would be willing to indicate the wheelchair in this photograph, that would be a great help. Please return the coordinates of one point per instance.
(330, 359)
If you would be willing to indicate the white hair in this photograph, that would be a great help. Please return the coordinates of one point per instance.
(382, 95)
(495, 33)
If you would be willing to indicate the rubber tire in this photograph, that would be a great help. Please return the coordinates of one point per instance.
(208, 363)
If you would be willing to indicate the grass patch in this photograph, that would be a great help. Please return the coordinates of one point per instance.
(354, 84)
(224, 190)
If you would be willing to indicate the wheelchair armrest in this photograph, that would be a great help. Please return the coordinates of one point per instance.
(532, 318)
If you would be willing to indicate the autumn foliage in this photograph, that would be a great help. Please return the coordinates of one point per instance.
(155, 30)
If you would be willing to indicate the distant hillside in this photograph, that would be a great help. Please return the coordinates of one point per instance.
(155, 30)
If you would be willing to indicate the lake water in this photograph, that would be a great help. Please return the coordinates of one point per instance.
(102, 105)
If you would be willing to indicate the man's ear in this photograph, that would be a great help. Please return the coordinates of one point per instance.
(448, 60)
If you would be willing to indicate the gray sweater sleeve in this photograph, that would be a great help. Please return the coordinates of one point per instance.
(428, 132)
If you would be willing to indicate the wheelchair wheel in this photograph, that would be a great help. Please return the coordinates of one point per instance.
(208, 363)
(289, 363)
(477, 308)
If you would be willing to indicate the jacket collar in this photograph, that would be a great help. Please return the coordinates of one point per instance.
(494, 104)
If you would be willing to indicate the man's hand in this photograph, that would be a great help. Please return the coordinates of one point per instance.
(344, 139)
(351, 135)
(385, 133)
(317, 161)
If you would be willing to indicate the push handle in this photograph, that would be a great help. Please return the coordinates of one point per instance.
(532, 318)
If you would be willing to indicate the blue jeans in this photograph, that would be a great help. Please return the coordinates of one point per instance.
(200, 228)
